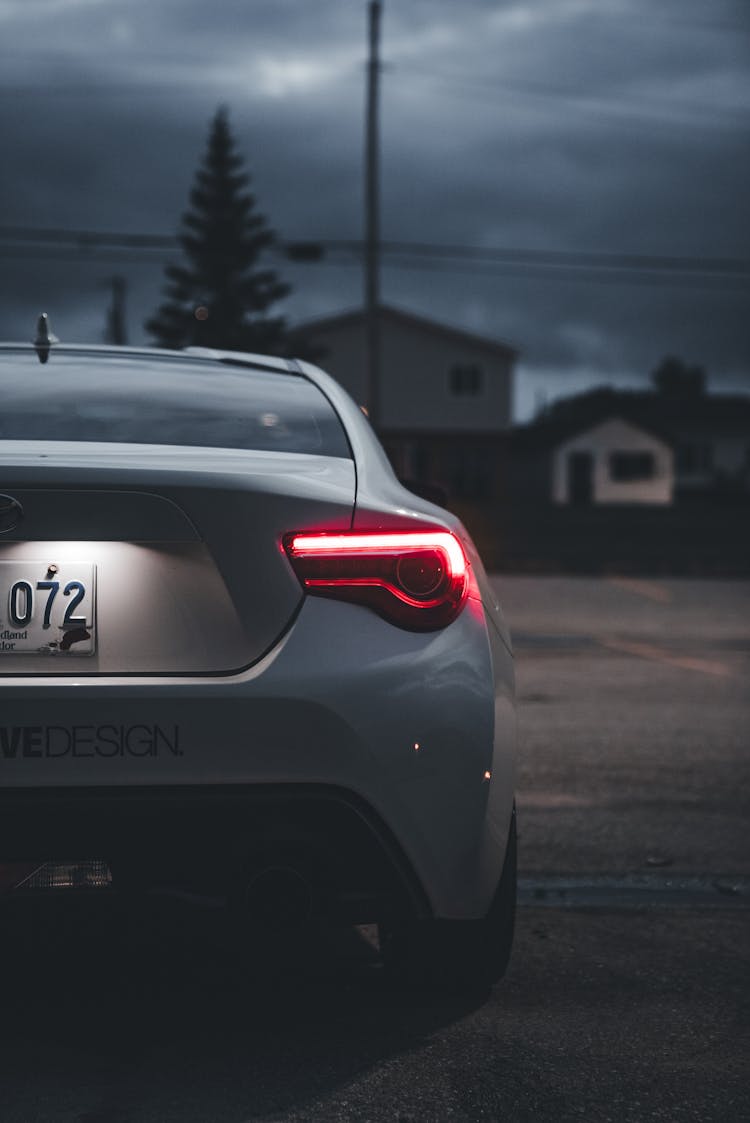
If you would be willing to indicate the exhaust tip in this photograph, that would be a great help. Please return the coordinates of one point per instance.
(278, 897)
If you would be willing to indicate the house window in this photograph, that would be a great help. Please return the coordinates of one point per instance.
(465, 380)
(625, 467)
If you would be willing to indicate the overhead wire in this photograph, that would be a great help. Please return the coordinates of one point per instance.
(713, 272)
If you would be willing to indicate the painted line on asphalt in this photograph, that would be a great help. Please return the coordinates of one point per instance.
(646, 891)
(670, 659)
(651, 590)
(553, 640)
(639, 649)
(639, 646)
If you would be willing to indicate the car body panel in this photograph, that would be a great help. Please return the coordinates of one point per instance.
(190, 574)
(306, 714)
(281, 688)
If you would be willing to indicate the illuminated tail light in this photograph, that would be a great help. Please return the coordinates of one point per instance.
(416, 579)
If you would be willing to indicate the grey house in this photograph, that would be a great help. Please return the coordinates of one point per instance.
(445, 395)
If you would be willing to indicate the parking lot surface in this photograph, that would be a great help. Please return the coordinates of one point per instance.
(603, 1016)
(634, 711)
(628, 996)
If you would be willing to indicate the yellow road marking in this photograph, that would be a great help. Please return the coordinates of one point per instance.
(546, 800)
(649, 589)
(658, 655)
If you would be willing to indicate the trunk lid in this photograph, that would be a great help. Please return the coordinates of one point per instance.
(181, 547)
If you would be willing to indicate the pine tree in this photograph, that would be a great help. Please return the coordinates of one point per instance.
(220, 297)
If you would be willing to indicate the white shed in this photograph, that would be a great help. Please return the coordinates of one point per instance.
(613, 462)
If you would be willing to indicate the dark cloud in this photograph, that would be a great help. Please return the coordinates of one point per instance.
(592, 125)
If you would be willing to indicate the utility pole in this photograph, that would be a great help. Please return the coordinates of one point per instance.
(117, 332)
(372, 222)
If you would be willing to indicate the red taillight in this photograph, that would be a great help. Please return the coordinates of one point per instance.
(418, 579)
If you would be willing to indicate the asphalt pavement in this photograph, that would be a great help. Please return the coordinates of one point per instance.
(604, 1015)
(628, 995)
(634, 714)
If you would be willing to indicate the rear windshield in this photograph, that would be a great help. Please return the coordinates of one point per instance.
(163, 400)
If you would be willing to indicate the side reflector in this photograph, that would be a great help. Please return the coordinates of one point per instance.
(417, 579)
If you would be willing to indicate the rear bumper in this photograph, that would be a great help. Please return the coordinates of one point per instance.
(212, 840)
(412, 735)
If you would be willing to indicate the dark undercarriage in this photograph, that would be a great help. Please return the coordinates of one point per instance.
(274, 852)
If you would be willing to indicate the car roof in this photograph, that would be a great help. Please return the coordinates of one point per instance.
(194, 354)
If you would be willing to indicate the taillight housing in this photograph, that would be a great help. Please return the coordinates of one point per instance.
(416, 579)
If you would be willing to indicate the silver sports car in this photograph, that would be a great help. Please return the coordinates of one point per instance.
(238, 657)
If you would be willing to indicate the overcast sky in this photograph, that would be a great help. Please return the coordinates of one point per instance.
(617, 126)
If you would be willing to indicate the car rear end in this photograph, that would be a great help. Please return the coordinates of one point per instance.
(238, 659)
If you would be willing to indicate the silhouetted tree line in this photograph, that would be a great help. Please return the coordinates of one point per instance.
(675, 378)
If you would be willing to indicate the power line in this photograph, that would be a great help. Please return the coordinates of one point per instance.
(665, 110)
(143, 259)
(78, 245)
(570, 258)
(86, 239)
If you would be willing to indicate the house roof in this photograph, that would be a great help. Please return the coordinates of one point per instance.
(638, 426)
(320, 327)
(666, 416)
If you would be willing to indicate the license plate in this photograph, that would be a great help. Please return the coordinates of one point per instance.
(47, 609)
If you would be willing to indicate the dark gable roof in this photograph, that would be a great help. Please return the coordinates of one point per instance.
(318, 328)
(665, 416)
